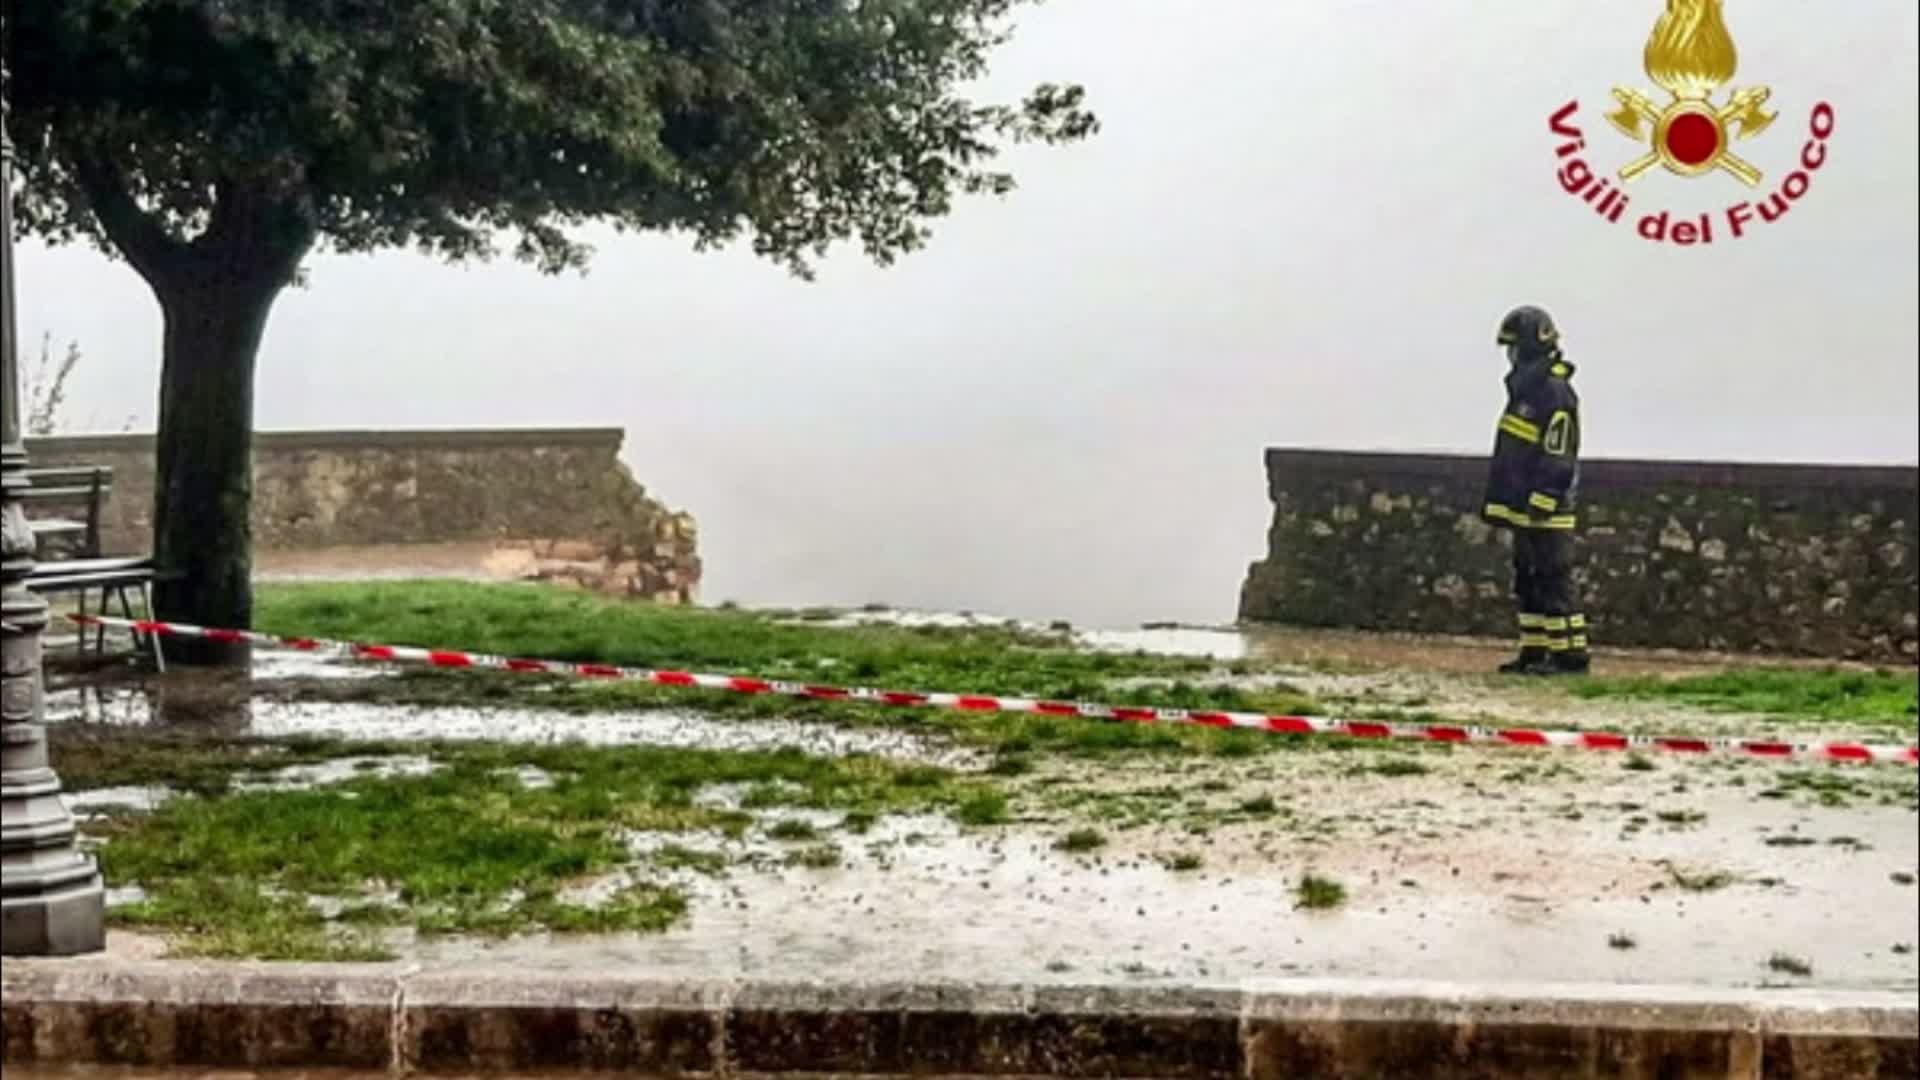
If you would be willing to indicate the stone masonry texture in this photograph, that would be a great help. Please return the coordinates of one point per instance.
(559, 499)
(379, 1018)
(1809, 560)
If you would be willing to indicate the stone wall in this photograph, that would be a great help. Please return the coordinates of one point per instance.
(1813, 560)
(554, 504)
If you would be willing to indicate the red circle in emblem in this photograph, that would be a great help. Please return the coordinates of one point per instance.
(1692, 139)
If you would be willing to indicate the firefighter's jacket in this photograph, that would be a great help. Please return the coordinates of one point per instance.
(1534, 479)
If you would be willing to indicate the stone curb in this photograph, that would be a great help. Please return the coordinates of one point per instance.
(378, 1017)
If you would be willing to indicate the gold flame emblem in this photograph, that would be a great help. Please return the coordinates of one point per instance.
(1691, 55)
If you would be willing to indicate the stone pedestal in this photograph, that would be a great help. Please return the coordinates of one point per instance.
(51, 899)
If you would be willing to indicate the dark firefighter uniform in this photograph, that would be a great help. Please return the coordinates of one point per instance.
(1532, 488)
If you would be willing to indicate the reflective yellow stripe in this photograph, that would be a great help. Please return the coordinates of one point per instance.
(1533, 641)
(1558, 644)
(1559, 426)
(1520, 429)
(1533, 620)
(1527, 521)
(1579, 641)
(1543, 502)
(1578, 622)
(1507, 513)
(1561, 370)
(1556, 624)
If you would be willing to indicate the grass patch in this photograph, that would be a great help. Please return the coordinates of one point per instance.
(1014, 764)
(224, 918)
(1081, 840)
(1705, 881)
(1183, 861)
(522, 620)
(1879, 698)
(1681, 817)
(985, 808)
(677, 857)
(1621, 941)
(639, 908)
(1317, 893)
(1390, 766)
(1789, 840)
(1838, 786)
(466, 848)
(1638, 762)
(1259, 806)
(815, 857)
(792, 829)
(91, 756)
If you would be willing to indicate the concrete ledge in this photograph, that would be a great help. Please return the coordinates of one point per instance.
(385, 1017)
(162, 1015)
(1615, 474)
(82, 446)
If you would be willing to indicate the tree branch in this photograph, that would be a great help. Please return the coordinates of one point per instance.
(146, 245)
(253, 228)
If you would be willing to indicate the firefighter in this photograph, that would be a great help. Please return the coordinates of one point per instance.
(1532, 486)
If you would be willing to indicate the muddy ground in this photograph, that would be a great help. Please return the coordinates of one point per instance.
(1467, 863)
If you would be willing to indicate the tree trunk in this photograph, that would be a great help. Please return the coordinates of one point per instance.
(215, 291)
(203, 479)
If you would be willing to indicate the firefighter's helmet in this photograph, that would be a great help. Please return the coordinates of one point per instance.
(1528, 332)
(1528, 325)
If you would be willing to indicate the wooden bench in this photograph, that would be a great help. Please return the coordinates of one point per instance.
(67, 487)
(74, 563)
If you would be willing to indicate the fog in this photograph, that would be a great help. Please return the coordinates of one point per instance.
(1299, 226)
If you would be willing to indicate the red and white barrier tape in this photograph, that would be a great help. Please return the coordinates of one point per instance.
(1284, 725)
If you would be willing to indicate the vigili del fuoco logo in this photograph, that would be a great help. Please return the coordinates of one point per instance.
(1691, 56)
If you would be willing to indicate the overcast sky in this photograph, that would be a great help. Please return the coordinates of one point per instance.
(1299, 227)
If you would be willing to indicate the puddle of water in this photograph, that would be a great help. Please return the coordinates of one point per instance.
(330, 907)
(99, 802)
(339, 770)
(125, 706)
(279, 664)
(948, 620)
(1476, 888)
(531, 777)
(1211, 642)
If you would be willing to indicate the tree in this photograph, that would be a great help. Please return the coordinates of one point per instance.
(213, 144)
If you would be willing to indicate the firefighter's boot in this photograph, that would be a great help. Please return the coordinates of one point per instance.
(1573, 662)
(1531, 660)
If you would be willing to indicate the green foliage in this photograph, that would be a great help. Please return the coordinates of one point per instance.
(179, 132)
(523, 620)
(1890, 699)
(1318, 893)
(464, 849)
(1081, 840)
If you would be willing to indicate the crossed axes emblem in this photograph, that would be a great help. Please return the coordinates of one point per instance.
(1689, 136)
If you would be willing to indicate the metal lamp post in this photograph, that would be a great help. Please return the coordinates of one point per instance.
(51, 900)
